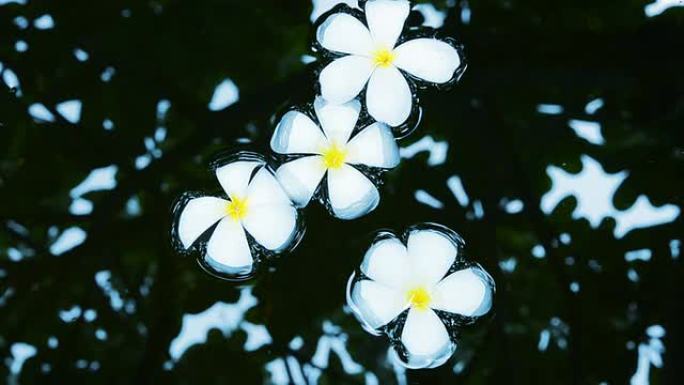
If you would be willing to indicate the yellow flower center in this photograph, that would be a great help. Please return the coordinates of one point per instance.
(419, 298)
(383, 57)
(334, 156)
(237, 208)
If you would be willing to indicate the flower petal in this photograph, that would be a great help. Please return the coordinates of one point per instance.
(228, 250)
(344, 78)
(342, 32)
(272, 226)
(197, 216)
(429, 59)
(338, 120)
(234, 177)
(467, 292)
(374, 146)
(388, 98)
(264, 189)
(377, 304)
(424, 336)
(351, 193)
(431, 254)
(301, 177)
(386, 262)
(386, 19)
(296, 133)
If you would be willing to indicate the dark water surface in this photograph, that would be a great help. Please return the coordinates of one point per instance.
(558, 157)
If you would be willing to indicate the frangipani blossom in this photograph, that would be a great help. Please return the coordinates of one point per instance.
(330, 150)
(417, 290)
(373, 57)
(255, 217)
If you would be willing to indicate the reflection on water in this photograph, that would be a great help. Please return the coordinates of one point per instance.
(557, 157)
(437, 150)
(225, 94)
(650, 354)
(594, 190)
(659, 6)
(226, 317)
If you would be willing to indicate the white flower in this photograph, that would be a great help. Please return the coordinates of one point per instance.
(372, 58)
(328, 150)
(396, 277)
(256, 205)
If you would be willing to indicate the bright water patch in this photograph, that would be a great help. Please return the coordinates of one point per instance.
(44, 22)
(103, 279)
(21, 46)
(20, 2)
(574, 287)
(40, 113)
(133, 207)
(638, 255)
(10, 78)
(478, 209)
(108, 124)
(434, 18)
(650, 355)
(225, 317)
(425, 198)
(659, 6)
(108, 73)
(466, 13)
(225, 94)
(70, 110)
(557, 331)
(437, 150)
(589, 131)
(80, 206)
(98, 179)
(514, 206)
(593, 106)
(20, 353)
(307, 59)
(21, 22)
(643, 214)
(508, 265)
(549, 109)
(81, 55)
(456, 186)
(675, 248)
(538, 251)
(594, 190)
(70, 238)
(333, 341)
(71, 314)
(5, 295)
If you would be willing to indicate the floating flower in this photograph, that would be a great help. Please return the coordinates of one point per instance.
(417, 290)
(373, 57)
(331, 150)
(256, 218)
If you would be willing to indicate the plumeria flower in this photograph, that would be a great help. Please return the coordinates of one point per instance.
(415, 292)
(330, 149)
(256, 216)
(372, 57)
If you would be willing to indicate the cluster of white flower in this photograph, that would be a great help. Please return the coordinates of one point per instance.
(334, 152)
